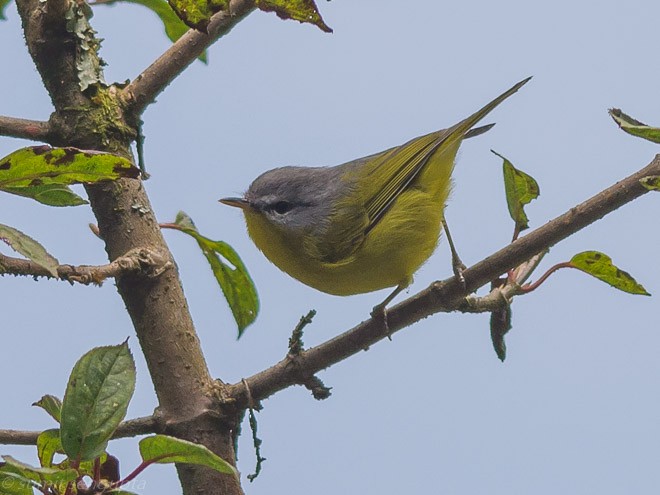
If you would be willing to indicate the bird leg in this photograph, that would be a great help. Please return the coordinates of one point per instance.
(379, 312)
(456, 263)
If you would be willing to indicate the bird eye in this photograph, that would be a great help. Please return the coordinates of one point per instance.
(282, 207)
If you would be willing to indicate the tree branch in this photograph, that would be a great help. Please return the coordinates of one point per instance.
(445, 296)
(140, 260)
(130, 428)
(34, 130)
(144, 89)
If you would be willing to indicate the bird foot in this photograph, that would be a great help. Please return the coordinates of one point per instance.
(379, 313)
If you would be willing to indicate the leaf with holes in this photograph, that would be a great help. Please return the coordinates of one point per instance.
(600, 265)
(230, 272)
(635, 127)
(97, 396)
(165, 450)
(28, 247)
(298, 10)
(43, 165)
(520, 189)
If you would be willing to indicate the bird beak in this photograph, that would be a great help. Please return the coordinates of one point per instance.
(237, 202)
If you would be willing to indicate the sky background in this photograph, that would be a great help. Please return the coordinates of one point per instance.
(574, 409)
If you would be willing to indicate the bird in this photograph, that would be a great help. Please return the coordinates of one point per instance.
(364, 225)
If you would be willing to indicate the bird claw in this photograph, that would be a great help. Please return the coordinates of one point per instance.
(379, 312)
(459, 267)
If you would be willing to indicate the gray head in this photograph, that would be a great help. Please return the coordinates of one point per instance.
(296, 198)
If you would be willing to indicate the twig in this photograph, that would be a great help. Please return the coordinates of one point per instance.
(142, 260)
(296, 344)
(130, 428)
(443, 296)
(34, 130)
(154, 79)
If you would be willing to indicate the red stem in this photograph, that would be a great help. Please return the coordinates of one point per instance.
(530, 287)
(139, 469)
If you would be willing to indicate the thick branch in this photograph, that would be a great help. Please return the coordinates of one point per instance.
(144, 261)
(443, 296)
(142, 91)
(130, 428)
(157, 306)
(34, 130)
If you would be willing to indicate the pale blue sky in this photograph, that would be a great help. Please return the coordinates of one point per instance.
(573, 410)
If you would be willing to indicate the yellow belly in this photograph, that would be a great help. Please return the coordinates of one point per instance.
(389, 256)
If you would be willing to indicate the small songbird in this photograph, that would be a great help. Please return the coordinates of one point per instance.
(364, 225)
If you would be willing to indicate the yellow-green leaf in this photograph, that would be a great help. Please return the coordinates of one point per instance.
(230, 272)
(12, 483)
(48, 444)
(52, 405)
(521, 189)
(51, 476)
(28, 247)
(165, 450)
(600, 266)
(49, 194)
(298, 10)
(635, 127)
(651, 182)
(43, 165)
(197, 13)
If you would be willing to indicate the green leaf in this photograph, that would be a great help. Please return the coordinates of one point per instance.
(43, 165)
(50, 476)
(50, 194)
(3, 17)
(229, 271)
(14, 484)
(600, 266)
(197, 13)
(635, 127)
(52, 405)
(651, 182)
(97, 396)
(164, 450)
(298, 10)
(29, 248)
(520, 190)
(48, 444)
(174, 27)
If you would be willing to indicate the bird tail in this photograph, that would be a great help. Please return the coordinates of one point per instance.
(464, 128)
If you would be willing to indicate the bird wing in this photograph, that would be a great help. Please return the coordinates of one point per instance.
(404, 164)
(389, 174)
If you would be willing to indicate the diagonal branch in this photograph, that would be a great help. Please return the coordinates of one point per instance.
(130, 428)
(445, 296)
(154, 79)
(138, 261)
(34, 130)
